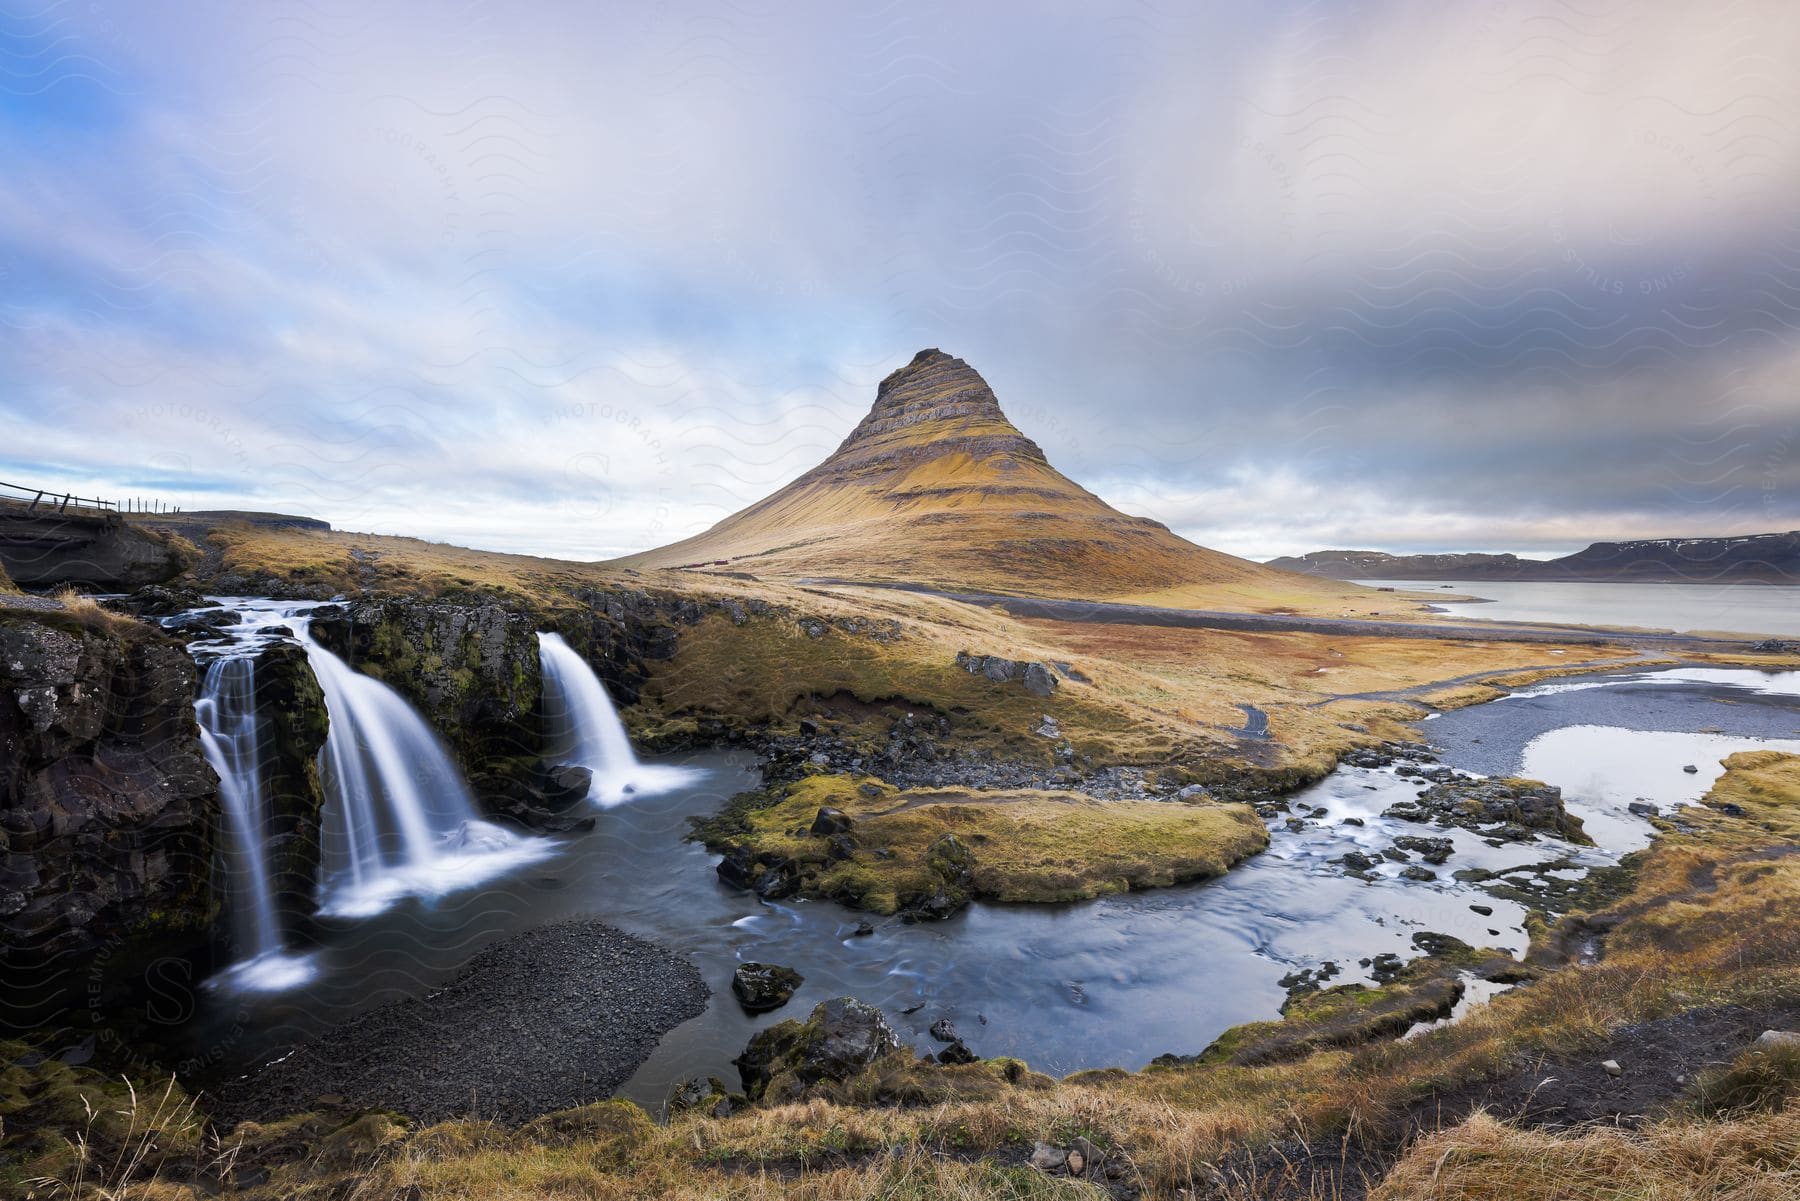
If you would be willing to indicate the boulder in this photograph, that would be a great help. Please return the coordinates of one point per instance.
(705, 1094)
(761, 987)
(842, 1037)
(1036, 678)
(1431, 850)
(830, 821)
(957, 1052)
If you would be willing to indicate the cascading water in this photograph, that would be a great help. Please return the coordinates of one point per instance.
(230, 736)
(582, 727)
(398, 819)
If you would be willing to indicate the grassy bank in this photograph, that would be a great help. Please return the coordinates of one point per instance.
(878, 846)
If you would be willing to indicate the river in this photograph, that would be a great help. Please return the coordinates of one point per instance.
(1110, 982)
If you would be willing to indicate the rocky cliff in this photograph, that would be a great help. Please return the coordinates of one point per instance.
(41, 548)
(472, 671)
(107, 811)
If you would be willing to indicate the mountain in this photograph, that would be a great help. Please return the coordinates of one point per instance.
(1751, 558)
(936, 486)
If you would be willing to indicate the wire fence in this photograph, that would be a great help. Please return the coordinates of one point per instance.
(44, 500)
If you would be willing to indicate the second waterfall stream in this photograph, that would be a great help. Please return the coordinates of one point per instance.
(582, 728)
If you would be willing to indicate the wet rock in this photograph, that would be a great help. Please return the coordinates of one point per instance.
(567, 784)
(863, 930)
(1691, 770)
(761, 987)
(1501, 809)
(1483, 910)
(841, 1038)
(1642, 808)
(957, 1052)
(1356, 861)
(944, 1031)
(1413, 871)
(1432, 850)
(161, 600)
(704, 1094)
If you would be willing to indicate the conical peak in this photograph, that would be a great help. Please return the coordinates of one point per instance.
(936, 404)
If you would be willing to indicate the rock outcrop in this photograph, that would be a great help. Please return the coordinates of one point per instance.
(41, 548)
(789, 1059)
(107, 812)
(292, 707)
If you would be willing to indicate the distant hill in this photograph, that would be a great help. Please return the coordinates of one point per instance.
(936, 486)
(1752, 558)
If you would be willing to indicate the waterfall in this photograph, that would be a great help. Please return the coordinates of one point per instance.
(229, 731)
(582, 727)
(398, 818)
(230, 737)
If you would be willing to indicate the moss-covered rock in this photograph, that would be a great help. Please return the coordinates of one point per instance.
(289, 700)
(839, 1040)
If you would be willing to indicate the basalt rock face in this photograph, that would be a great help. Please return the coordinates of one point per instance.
(107, 814)
(473, 672)
(292, 707)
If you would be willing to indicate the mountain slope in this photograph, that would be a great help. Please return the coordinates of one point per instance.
(936, 486)
(1760, 558)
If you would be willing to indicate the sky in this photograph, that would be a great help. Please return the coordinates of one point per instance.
(581, 279)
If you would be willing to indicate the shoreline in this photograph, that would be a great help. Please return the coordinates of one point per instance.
(548, 1019)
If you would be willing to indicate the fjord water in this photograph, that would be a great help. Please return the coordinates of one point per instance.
(1111, 982)
(1732, 608)
(582, 727)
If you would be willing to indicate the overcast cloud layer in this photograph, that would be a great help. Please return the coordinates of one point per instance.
(553, 278)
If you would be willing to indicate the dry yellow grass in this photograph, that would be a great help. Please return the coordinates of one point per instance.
(1755, 1159)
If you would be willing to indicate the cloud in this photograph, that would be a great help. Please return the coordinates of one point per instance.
(582, 281)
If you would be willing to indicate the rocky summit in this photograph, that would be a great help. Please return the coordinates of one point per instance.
(936, 486)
